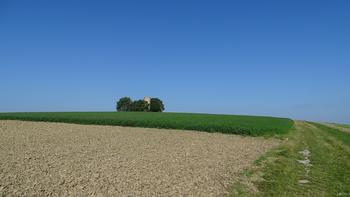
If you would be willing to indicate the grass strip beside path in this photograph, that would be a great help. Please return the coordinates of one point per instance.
(278, 173)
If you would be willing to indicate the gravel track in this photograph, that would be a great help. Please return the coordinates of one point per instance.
(58, 159)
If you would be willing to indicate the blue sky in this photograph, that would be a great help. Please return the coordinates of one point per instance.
(278, 58)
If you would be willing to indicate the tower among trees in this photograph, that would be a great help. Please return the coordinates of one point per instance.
(148, 104)
(147, 99)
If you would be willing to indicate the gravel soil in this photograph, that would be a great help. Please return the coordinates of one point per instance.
(58, 159)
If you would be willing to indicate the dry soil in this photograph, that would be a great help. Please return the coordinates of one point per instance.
(58, 159)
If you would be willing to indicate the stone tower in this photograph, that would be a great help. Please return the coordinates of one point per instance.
(147, 99)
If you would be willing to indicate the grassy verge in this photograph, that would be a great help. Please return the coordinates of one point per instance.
(336, 133)
(232, 124)
(344, 125)
(278, 173)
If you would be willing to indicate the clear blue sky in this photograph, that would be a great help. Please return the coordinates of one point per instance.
(278, 58)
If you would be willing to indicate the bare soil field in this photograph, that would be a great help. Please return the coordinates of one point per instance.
(59, 159)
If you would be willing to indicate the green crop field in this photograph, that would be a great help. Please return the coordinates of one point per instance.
(232, 124)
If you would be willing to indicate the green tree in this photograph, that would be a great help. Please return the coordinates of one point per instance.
(124, 104)
(156, 105)
(139, 105)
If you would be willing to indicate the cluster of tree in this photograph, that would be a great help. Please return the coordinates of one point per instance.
(126, 104)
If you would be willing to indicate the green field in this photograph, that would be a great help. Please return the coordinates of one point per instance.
(231, 124)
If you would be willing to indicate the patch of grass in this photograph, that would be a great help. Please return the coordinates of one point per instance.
(338, 134)
(279, 171)
(231, 124)
(343, 125)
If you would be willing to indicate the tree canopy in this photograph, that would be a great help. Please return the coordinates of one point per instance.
(126, 104)
(156, 105)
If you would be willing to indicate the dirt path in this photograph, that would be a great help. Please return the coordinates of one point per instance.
(39, 158)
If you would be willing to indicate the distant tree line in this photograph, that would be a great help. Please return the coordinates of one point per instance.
(126, 104)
